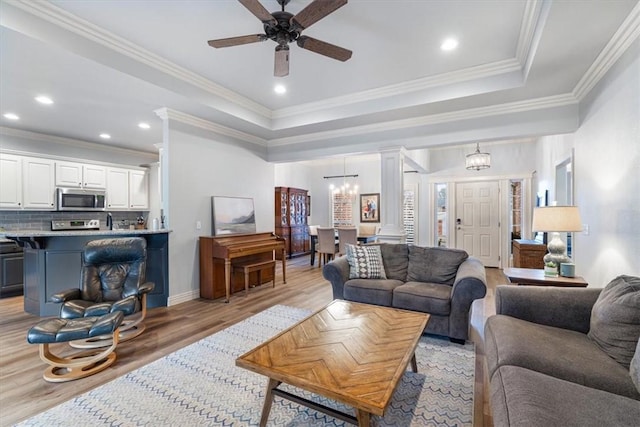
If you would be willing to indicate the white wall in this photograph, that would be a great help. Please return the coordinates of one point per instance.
(199, 168)
(607, 174)
(551, 151)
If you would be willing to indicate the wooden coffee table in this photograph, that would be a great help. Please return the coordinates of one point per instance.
(349, 352)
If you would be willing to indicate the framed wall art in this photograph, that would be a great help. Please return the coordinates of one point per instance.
(232, 215)
(369, 207)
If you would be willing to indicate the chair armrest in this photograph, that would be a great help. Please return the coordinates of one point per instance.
(337, 272)
(145, 288)
(66, 295)
(567, 308)
(470, 284)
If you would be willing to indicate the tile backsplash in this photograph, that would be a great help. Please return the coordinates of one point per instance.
(41, 220)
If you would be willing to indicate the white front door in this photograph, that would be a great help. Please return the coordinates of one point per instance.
(477, 220)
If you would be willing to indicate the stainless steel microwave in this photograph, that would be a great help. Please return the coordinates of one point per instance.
(77, 199)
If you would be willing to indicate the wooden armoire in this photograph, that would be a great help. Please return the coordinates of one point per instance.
(291, 220)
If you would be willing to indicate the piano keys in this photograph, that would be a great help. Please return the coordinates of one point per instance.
(219, 253)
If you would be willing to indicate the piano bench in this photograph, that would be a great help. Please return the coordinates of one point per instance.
(259, 266)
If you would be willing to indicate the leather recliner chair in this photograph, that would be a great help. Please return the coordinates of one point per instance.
(112, 279)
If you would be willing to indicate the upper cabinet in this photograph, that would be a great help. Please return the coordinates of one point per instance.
(138, 189)
(78, 175)
(127, 189)
(38, 183)
(10, 181)
(30, 183)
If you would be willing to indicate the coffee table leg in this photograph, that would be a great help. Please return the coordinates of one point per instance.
(363, 418)
(268, 400)
(414, 363)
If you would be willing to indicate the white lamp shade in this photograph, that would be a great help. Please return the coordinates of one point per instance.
(556, 219)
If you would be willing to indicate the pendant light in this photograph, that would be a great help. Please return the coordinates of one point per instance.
(478, 160)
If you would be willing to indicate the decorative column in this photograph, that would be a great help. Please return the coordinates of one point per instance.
(391, 196)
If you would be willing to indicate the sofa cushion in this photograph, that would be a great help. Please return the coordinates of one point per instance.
(615, 319)
(634, 369)
(434, 265)
(524, 398)
(562, 353)
(371, 291)
(395, 257)
(365, 262)
(431, 298)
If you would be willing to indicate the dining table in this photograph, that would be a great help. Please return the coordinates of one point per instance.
(362, 240)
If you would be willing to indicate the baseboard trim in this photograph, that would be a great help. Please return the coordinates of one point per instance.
(184, 297)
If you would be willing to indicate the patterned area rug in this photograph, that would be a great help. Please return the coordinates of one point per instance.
(200, 385)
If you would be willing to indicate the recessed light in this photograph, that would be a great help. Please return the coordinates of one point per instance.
(11, 116)
(105, 136)
(280, 89)
(143, 125)
(42, 99)
(449, 44)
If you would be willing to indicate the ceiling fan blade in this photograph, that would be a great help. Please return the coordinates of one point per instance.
(324, 48)
(314, 12)
(281, 64)
(235, 41)
(259, 11)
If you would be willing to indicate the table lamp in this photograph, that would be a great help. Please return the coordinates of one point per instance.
(556, 220)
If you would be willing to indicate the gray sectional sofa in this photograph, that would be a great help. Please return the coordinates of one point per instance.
(442, 282)
(565, 356)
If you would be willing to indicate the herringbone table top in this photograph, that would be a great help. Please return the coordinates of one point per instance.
(351, 352)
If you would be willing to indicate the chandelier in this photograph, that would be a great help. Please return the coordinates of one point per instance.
(347, 188)
(478, 160)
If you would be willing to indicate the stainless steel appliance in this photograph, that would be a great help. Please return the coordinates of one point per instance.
(75, 224)
(77, 199)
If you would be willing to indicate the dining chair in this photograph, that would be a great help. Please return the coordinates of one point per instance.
(326, 247)
(346, 236)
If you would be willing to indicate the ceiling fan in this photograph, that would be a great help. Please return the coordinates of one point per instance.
(283, 28)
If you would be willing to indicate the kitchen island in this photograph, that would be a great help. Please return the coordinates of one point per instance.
(53, 261)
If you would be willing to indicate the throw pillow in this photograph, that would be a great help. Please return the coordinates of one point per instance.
(434, 265)
(365, 262)
(615, 319)
(395, 257)
(635, 367)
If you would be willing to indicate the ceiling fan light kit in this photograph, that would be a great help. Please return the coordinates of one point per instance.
(283, 28)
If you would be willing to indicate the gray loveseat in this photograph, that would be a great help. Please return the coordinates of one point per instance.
(548, 367)
(442, 282)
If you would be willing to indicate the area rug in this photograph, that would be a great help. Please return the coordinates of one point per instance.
(200, 385)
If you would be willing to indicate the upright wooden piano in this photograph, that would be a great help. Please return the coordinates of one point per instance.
(218, 254)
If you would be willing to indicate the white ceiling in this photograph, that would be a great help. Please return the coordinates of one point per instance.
(110, 64)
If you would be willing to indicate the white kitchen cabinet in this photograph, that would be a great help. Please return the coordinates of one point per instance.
(117, 188)
(10, 181)
(38, 183)
(79, 175)
(127, 189)
(138, 189)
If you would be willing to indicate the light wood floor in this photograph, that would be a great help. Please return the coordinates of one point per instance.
(24, 393)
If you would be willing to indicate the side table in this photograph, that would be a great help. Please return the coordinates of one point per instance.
(533, 276)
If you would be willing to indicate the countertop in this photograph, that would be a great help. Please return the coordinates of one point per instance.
(67, 233)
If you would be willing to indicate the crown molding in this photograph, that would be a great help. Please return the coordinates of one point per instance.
(73, 142)
(170, 114)
(472, 113)
(68, 21)
(438, 80)
(619, 43)
(528, 29)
